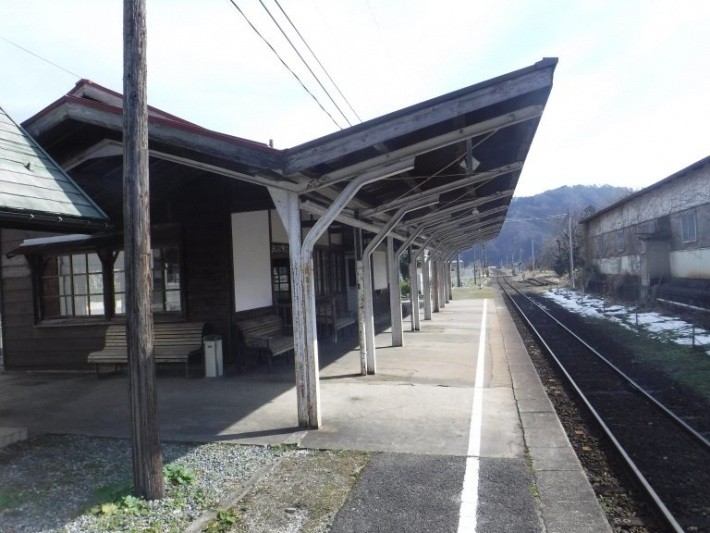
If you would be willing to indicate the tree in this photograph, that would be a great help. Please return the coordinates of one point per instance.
(557, 257)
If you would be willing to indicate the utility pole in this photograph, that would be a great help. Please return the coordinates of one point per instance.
(571, 252)
(147, 456)
(532, 247)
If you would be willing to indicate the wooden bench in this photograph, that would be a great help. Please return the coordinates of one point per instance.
(333, 319)
(173, 342)
(267, 334)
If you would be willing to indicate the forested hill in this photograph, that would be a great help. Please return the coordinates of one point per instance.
(540, 219)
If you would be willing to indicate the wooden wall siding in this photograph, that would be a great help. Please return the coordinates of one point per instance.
(28, 346)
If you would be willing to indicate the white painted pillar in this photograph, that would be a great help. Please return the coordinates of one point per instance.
(307, 384)
(426, 280)
(360, 301)
(435, 282)
(414, 277)
(395, 293)
(369, 322)
(451, 284)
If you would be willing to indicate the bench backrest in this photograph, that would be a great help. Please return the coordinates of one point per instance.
(263, 326)
(164, 334)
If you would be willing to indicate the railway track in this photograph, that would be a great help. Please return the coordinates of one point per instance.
(670, 459)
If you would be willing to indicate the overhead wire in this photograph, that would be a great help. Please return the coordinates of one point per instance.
(327, 93)
(317, 60)
(40, 57)
(284, 63)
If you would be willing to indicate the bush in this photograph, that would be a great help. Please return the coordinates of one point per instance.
(405, 288)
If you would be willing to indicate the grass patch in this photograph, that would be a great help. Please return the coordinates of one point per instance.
(471, 293)
(9, 499)
(682, 364)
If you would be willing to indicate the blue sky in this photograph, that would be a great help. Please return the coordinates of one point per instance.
(630, 103)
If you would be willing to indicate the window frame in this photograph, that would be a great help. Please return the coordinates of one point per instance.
(71, 299)
(169, 240)
(684, 228)
(620, 240)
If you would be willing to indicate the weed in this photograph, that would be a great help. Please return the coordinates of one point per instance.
(224, 520)
(534, 491)
(9, 499)
(177, 475)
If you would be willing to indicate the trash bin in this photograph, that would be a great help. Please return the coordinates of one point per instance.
(213, 355)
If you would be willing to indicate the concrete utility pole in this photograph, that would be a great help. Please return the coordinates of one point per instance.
(532, 247)
(571, 251)
(147, 456)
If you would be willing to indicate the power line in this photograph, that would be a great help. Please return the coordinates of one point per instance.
(284, 63)
(317, 60)
(304, 61)
(40, 57)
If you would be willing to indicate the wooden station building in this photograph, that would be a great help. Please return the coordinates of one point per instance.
(240, 229)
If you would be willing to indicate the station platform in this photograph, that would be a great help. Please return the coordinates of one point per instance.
(462, 433)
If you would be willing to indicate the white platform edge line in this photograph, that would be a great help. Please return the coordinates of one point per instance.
(469, 493)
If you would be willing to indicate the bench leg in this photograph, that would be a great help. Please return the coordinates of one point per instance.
(269, 361)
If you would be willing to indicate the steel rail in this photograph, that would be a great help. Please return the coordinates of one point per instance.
(658, 502)
(629, 380)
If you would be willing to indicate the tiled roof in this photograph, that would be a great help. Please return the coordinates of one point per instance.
(31, 183)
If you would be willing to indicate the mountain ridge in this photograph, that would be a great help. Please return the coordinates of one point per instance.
(537, 221)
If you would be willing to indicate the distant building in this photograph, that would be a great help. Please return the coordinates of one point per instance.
(655, 242)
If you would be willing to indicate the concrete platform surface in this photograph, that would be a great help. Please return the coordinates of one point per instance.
(420, 414)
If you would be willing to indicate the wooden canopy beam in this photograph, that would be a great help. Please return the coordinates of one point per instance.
(436, 111)
(458, 184)
(428, 145)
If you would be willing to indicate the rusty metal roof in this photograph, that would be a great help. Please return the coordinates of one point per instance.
(34, 190)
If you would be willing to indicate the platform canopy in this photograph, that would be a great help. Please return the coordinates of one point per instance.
(35, 192)
(451, 164)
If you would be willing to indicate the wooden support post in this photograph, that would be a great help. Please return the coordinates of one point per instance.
(147, 456)
(287, 206)
(447, 266)
(360, 301)
(458, 270)
(395, 294)
(414, 278)
(426, 280)
(369, 315)
(435, 283)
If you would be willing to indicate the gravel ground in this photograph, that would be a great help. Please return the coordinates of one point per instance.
(63, 483)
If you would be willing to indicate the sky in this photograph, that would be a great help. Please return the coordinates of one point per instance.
(630, 103)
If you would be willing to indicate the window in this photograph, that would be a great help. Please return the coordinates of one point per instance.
(688, 226)
(72, 285)
(280, 280)
(650, 227)
(600, 245)
(620, 238)
(165, 265)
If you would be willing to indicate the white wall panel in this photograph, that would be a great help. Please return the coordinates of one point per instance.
(691, 263)
(252, 260)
